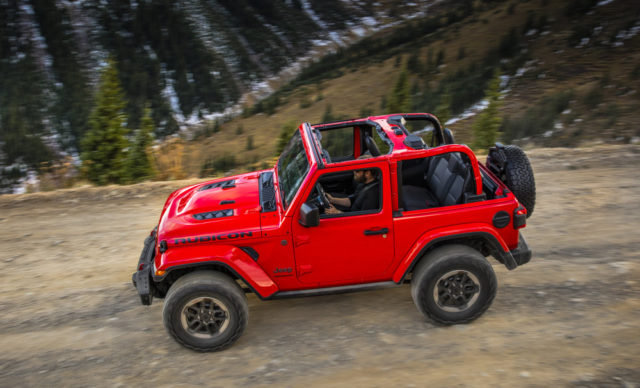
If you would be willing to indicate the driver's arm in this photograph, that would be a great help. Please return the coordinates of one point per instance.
(346, 202)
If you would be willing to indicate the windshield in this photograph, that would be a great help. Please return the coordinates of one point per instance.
(293, 166)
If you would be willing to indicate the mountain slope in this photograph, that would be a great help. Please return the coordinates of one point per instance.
(570, 77)
(185, 59)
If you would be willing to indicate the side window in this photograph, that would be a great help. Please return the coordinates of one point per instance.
(350, 192)
(338, 143)
(437, 181)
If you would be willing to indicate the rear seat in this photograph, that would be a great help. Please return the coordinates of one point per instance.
(448, 177)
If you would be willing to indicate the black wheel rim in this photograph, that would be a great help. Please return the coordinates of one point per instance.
(204, 317)
(456, 291)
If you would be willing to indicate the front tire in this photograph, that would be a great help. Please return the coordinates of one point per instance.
(205, 311)
(453, 284)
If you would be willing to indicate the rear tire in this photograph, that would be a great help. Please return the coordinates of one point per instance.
(453, 284)
(519, 177)
(205, 311)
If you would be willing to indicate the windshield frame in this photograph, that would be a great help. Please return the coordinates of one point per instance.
(295, 144)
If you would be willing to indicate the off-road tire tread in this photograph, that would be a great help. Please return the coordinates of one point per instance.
(437, 258)
(519, 177)
(207, 278)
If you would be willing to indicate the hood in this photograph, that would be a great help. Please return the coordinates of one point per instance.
(221, 209)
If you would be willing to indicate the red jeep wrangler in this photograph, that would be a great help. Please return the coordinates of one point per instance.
(350, 205)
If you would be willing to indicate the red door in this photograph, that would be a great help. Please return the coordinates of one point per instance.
(348, 248)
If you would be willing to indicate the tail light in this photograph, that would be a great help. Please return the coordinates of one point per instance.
(519, 217)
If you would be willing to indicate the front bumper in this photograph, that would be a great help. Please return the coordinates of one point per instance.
(141, 279)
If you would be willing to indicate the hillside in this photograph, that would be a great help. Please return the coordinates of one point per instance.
(569, 69)
(187, 60)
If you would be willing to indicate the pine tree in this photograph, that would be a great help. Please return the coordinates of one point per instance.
(287, 130)
(443, 110)
(485, 129)
(140, 166)
(328, 114)
(250, 142)
(400, 98)
(104, 155)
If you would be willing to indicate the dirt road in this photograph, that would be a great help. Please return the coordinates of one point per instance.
(69, 315)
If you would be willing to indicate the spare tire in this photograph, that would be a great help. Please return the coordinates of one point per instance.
(519, 177)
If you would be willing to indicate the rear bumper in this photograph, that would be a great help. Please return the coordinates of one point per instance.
(141, 279)
(522, 254)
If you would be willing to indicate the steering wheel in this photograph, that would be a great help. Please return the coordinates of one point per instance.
(322, 197)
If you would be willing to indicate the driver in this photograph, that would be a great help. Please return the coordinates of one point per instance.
(364, 198)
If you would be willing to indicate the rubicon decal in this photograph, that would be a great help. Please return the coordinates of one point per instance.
(217, 237)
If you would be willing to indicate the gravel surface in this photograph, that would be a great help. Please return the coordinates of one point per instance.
(571, 317)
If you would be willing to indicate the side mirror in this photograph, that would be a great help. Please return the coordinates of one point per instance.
(448, 136)
(309, 215)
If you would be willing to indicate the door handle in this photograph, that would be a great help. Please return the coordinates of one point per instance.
(371, 232)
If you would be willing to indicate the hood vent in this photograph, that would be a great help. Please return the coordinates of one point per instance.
(267, 192)
(223, 184)
(214, 214)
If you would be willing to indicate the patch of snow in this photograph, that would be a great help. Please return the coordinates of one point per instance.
(625, 35)
(603, 2)
(150, 52)
(369, 21)
(335, 37)
(306, 6)
(583, 42)
(504, 81)
(169, 93)
(597, 31)
(359, 31)
(566, 111)
(470, 112)
(558, 125)
(548, 134)
(531, 32)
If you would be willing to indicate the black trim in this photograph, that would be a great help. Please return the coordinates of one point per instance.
(369, 232)
(227, 202)
(522, 254)
(414, 142)
(224, 184)
(496, 250)
(213, 215)
(472, 198)
(251, 252)
(383, 135)
(314, 144)
(142, 277)
(226, 266)
(267, 192)
(396, 121)
(501, 219)
(332, 290)
(163, 246)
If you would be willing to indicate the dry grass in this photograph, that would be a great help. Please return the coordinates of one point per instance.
(558, 67)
